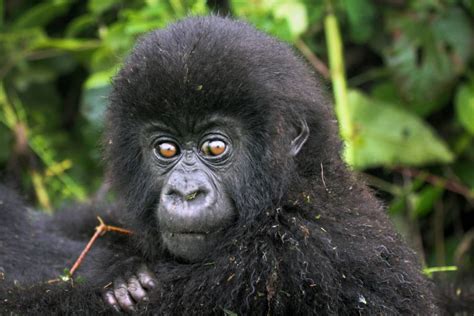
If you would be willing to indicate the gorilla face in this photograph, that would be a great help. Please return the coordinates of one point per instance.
(195, 163)
(192, 166)
(202, 137)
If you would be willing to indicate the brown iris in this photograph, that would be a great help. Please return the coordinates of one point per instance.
(167, 150)
(213, 147)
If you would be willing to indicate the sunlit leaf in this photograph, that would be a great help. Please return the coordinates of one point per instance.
(465, 106)
(295, 15)
(99, 6)
(100, 79)
(67, 44)
(387, 135)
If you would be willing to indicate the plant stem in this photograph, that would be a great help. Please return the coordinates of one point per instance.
(338, 78)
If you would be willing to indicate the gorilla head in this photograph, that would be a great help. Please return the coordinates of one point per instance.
(204, 128)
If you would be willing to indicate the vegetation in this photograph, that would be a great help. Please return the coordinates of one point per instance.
(402, 76)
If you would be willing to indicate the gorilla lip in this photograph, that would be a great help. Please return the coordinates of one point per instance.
(171, 234)
(187, 235)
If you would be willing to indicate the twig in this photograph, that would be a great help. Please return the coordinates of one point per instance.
(313, 59)
(464, 246)
(414, 226)
(99, 231)
(448, 184)
(383, 185)
(438, 230)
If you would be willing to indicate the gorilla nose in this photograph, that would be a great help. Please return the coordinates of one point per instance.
(186, 192)
(187, 188)
(187, 203)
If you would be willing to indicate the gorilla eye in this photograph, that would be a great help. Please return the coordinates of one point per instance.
(167, 150)
(213, 147)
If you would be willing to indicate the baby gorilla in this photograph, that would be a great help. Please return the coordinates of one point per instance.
(224, 152)
(227, 135)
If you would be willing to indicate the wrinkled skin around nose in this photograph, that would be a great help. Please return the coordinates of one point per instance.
(186, 203)
(192, 212)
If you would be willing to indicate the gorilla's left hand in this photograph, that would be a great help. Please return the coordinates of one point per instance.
(126, 293)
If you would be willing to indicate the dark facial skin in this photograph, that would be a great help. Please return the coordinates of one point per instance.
(193, 208)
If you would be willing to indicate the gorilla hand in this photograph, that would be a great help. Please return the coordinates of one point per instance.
(126, 294)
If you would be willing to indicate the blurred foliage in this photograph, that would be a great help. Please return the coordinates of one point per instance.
(402, 73)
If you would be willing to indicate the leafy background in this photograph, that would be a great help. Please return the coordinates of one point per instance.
(405, 101)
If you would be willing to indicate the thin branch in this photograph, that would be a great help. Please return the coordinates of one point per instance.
(313, 59)
(438, 230)
(383, 185)
(99, 231)
(466, 243)
(448, 184)
(413, 224)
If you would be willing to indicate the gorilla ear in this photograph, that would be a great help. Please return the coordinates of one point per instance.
(298, 142)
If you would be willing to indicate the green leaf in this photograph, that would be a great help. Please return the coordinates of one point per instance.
(465, 106)
(465, 171)
(67, 44)
(428, 53)
(14, 44)
(42, 14)
(360, 14)
(387, 135)
(100, 79)
(199, 7)
(80, 24)
(99, 6)
(455, 31)
(5, 141)
(294, 13)
(423, 201)
(66, 276)
(397, 206)
(285, 19)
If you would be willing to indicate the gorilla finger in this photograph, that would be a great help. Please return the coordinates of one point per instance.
(136, 290)
(123, 296)
(147, 278)
(109, 299)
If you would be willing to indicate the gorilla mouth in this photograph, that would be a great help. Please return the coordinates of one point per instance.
(191, 246)
(198, 235)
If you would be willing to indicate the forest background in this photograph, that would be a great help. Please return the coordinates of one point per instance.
(401, 74)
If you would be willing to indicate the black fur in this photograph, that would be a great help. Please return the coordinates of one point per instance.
(310, 237)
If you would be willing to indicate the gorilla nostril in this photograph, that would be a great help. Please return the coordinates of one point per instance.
(173, 192)
(184, 195)
(193, 195)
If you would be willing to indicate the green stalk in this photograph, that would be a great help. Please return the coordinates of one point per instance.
(2, 8)
(338, 78)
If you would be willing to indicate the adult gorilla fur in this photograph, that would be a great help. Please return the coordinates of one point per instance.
(310, 238)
